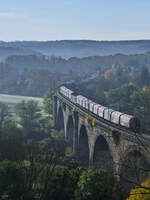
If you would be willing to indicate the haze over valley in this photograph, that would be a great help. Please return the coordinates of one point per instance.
(73, 48)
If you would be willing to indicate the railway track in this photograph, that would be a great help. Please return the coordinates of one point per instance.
(124, 132)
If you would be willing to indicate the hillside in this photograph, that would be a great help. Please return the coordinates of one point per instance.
(12, 100)
(6, 51)
(76, 65)
(33, 75)
(81, 48)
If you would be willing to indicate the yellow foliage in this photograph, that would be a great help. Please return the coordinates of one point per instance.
(141, 193)
(93, 122)
(55, 94)
(73, 109)
(87, 118)
(108, 74)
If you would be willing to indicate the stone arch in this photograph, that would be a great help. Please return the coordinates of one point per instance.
(102, 157)
(60, 119)
(70, 131)
(134, 166)
(83, 146)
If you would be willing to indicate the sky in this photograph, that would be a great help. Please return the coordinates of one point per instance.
(74, 19)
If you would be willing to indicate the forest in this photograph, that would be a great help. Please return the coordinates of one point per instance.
(35, 159)
(32, 74)
(36, 162)
(121, 82)
(121, 88)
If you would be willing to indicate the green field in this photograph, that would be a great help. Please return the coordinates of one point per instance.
(14, 99)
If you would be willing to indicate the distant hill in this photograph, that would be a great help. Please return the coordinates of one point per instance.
(75, 48)
(33, 75)
(6, 51)
(76, 65)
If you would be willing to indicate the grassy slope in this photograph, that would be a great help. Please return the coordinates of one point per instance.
(13, 99)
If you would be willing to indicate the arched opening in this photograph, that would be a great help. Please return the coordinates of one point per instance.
(69, 132)
(134, 169)
(102, 157)
(60, 120)
(83, 147)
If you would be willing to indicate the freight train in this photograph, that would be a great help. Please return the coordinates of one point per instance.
(115, 117)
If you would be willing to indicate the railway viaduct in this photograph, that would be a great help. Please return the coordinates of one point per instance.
(102, 144)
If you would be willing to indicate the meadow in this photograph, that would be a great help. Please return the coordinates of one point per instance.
(11, 100)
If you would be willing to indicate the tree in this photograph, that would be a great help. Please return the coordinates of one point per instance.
(62, 182)
(97, 185)
(47, 162)
(4, 114)
(38, 81)
(47, 103)
(36, 175)
(95, 92)
(145, 77)
(141, 192)
(120, 98)
(12, 143)
(10, 180)
(13, 181)
(118, 74)
(141, 101)
(28, 111)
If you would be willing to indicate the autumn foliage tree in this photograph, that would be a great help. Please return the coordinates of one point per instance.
(28, 111)
(141, 192)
